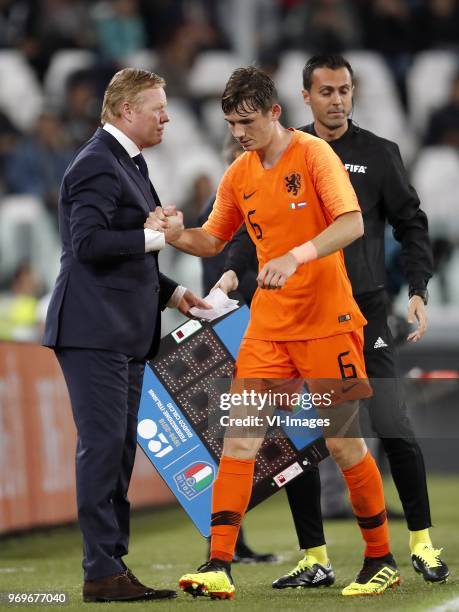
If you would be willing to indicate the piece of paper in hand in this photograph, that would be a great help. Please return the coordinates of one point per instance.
(221, 305)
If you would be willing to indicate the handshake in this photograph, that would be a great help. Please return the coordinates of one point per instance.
(168, 220)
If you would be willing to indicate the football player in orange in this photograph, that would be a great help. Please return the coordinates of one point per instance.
(300, 210)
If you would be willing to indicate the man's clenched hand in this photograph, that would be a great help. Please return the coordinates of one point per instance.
(274, 273)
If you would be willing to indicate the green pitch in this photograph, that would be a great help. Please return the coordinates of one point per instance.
(165, 545)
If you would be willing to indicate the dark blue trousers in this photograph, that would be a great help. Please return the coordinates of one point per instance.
(104, 389)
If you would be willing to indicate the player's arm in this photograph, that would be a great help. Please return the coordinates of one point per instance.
(344, 230)
(197, 241)
(240, 257)
(410, 228)
(337, 195)
(210, 239)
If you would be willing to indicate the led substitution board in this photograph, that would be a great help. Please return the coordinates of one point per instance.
(180, 412)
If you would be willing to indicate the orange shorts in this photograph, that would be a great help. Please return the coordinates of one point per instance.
(334, 364)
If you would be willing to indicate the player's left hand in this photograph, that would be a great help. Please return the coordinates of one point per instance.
(274, 273)
(417, 309)
(188, 300)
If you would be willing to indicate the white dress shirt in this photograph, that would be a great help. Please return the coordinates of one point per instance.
(154, 240)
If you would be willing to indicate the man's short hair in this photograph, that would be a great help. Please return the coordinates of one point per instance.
(249, 90)
(126, 85)
(332, 61)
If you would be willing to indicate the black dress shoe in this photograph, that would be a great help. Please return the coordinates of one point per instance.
(122, 587)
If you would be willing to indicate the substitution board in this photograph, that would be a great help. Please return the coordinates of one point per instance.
(180, 428)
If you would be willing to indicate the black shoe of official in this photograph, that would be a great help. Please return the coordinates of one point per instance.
(307, 574)
(426, 561)
(244, 554)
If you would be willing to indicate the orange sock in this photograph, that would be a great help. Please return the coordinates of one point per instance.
(367, 498)
(230, 498)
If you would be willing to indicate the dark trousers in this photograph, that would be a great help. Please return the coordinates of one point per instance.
(389, 421)
(104, 389)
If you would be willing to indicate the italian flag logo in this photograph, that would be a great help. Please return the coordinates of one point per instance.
(195, 479)
(199, 476)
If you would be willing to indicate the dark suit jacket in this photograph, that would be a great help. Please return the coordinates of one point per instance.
(109, 292)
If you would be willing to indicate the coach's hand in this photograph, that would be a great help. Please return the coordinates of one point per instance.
(162, 212)
(169, 211)
(170, 224)
(156, 221)
(228, 282)
(274, 273)
(188, 300)
(416, 308)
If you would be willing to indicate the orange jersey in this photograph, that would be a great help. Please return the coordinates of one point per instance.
(283, 207)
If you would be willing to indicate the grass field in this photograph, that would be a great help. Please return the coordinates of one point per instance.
(165, 545)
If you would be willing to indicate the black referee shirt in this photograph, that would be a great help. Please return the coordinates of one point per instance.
(384, 193)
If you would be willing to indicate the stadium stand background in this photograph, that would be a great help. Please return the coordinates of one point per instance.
(56, 57)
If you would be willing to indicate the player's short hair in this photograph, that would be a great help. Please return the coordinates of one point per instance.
(126, 85)
(249, 90)
(332, 61)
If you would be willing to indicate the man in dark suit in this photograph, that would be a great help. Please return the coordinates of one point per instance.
(103, 320)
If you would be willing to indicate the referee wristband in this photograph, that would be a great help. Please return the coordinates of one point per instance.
(304, 253)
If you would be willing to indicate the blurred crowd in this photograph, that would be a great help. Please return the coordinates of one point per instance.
(57, 56)
(179, 29)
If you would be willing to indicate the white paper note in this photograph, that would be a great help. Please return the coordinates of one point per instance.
(221, 305)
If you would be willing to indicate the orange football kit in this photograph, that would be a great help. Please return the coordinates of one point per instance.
(312, 327)
(309, 329)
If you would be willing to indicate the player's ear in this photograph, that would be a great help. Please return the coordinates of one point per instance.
(306, 96)
(276, 112)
